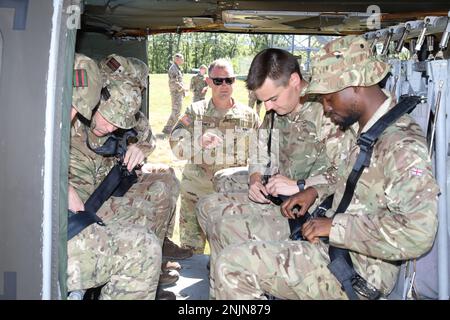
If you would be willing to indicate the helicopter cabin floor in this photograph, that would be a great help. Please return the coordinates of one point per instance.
(193, 283)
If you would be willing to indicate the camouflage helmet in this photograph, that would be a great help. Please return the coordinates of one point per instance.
(345, 62)
(120, 102)
(114, 65)
(138, 71)
(118, 67)
(87, 85)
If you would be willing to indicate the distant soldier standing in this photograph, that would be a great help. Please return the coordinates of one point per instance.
(177, 91)
(199, 85)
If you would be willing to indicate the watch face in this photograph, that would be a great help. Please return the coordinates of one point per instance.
(301, 184)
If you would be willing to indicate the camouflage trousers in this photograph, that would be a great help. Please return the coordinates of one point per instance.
(233, 218)
(194, 185)
(231, 180)
(152, 199)
(125, 258)
(165, 174)
(177, 102)
(284, 269)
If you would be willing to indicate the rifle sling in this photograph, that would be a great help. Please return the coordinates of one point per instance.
(117, 183)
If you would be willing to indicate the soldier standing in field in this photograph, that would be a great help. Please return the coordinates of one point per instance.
(177, 91)
(199, 85)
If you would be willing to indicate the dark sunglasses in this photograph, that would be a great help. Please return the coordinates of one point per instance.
(219, 81)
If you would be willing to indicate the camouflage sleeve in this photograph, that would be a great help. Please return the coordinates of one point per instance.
(182, 139)
(259, 157)
(406, 228)
(81, 171)
(146, 139)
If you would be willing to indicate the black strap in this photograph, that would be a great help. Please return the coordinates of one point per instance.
(117, 183)
(366, 142)
(79, 221)
(341, 265)
(105, 189)
(116, 144)
(269, 141)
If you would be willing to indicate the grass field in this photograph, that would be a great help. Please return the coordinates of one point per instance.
(159, 111)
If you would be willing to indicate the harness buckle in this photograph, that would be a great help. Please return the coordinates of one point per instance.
(365, 289)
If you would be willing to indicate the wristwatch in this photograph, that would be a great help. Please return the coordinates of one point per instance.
(301, 184)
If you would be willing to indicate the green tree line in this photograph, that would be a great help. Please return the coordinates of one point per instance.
(203, 48)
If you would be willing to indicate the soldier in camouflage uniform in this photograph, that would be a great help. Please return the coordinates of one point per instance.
(212, 135)
(177, 91)
(119, 68)
(123, 257)
(391, 217)
(199, 85)
(305, 152)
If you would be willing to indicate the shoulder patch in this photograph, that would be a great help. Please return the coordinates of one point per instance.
(80, 78)
(113, 64)
(416, 172)
(186, 120)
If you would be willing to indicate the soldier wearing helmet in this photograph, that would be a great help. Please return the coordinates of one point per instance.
(134, 72)
(125, 248)
(118, 67)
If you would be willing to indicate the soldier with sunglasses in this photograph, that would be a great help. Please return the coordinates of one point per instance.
(212, 135)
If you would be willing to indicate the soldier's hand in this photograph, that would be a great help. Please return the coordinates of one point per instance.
(133, 157)
(315, 228)
(304, 199)
(74, 200)
(279, 184)
(257, 190)
(210, 140)
(204, 90)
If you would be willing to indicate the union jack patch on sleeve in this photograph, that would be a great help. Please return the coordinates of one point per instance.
(80, 78)
(416, 172)
(186, 120)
